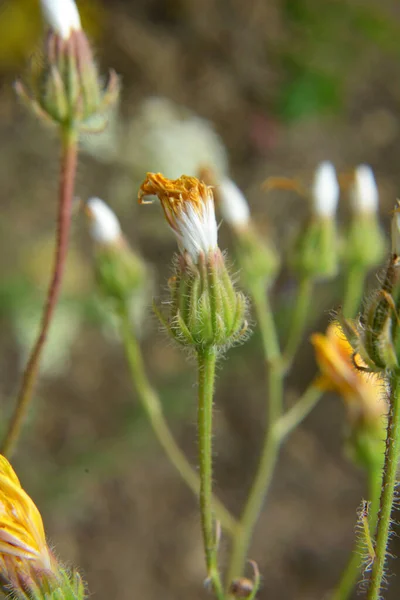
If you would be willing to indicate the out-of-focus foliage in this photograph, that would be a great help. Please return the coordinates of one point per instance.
(326, 40)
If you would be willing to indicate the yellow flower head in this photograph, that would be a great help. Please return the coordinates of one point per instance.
(188, 206)
(362, 391)
(21, 527)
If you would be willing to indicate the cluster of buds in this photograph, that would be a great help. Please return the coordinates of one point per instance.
(364, 224)
(257, 257)
(363, 394)
(205, 309)
(120, 272)
(64, 85)
(28, 569)
(315, 251)
(376, 336)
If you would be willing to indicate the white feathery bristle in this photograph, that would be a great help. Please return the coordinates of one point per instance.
(396, 232)
(364, 192)
(233, 204)
(325, 190)
(104, 225)
(197, 230)
(62, 16)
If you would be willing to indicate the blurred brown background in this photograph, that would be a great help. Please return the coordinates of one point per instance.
(285, 85)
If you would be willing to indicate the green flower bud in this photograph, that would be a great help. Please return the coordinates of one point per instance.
(258, 259)
(314, 254)
(64, 85)
(364, 225)
(120, 273)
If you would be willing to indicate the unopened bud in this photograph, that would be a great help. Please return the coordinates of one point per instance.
(205, 309)
(257, 257)
(325, 191)
(314, 254)
(62, 16)
(64, 86)
(120, 272)
(233, 204)
(364, 191)
(364, 242)
(379, 340)
(241, 587)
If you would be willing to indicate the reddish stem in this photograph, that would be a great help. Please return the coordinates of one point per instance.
(66, 191)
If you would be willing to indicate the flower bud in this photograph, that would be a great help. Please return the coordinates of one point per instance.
(205, 309)
(258, 258)
(64, 86)
(28, 569)
(365, 244)
(378, 339)
(314, 254)
(62, 16)
(120, 272)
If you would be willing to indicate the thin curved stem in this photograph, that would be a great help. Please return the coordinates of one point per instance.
(66, 191)
(389, 480)
(298, 323)
(271, 445)
(153, 408)
(298, 412)
(206, 360)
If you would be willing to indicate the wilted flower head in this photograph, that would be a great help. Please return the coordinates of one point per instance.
(62, 16)
(361, 391)
(104, 225)
(325, 190)
(364, 191)
(188, 206)
(205, 309)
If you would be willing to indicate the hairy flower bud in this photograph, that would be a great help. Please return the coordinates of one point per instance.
(257, 257)
(364, 242)
(120, 272)
(314, 254)
(377, 337)
(205, 309)
(64, 86)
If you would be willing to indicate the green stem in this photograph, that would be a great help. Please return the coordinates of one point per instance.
(352, 571)
(298, 412)
(66, 191)
(271, 445)
(153, 408)
(389, 479)
(301, 313)
(354, 290)
(206, 373)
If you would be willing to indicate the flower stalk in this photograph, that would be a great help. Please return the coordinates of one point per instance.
(152, 405)
(66, 192)
(206, 376)
(389, 480)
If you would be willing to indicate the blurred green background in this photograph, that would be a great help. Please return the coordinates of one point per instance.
(268, 88)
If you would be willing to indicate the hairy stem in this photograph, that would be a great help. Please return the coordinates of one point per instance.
(389, 479)
(352, 571)
(66, 191)
(153, 407)
(271, 445)
(206, 368)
